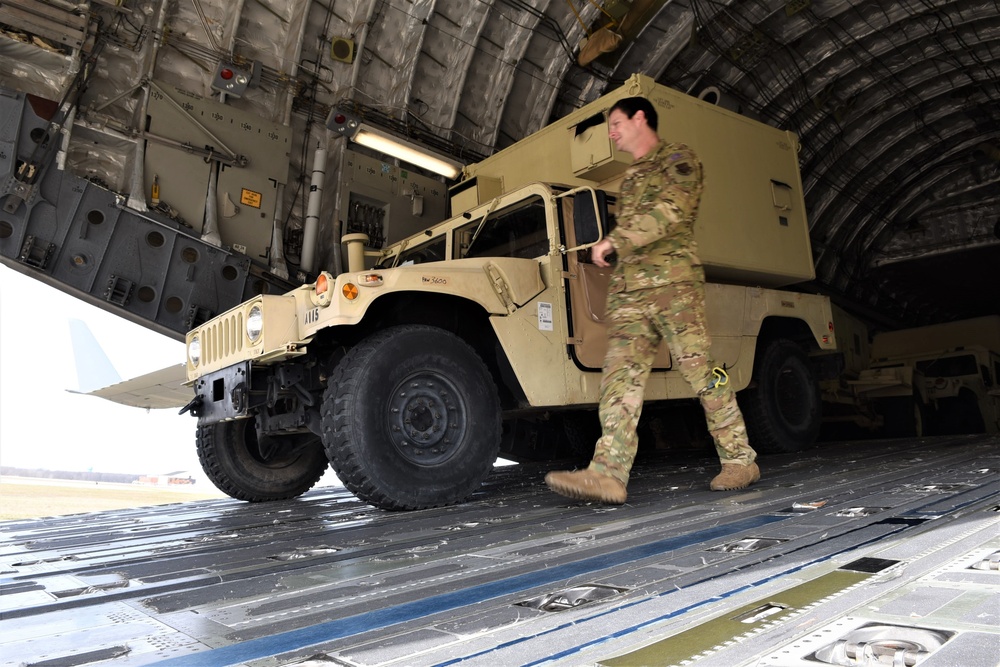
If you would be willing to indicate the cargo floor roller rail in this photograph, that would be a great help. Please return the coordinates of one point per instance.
(864, 553)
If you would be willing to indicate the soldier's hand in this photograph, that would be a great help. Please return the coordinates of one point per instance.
(600, 251)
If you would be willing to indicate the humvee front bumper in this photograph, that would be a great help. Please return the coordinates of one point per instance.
(222, 395)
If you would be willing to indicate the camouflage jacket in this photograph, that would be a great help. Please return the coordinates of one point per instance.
(657, 210)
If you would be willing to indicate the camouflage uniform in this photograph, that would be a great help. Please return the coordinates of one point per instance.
(657, 292)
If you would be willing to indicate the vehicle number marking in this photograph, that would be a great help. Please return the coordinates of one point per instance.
(433, 280)
(312, 316)
(544, 316)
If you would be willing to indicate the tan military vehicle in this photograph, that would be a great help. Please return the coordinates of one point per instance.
(938, 380)
(846, 412)
(412, 370)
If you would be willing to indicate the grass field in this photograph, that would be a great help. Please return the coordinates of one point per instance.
(31, 498)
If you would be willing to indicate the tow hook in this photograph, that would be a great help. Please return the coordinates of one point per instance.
(193, 406)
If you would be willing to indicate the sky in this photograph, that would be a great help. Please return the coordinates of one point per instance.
(42, 425)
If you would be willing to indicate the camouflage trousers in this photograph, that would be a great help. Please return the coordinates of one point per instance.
(638, 322)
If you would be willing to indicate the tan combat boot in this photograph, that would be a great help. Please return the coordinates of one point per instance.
(587, 485)
(735, 476)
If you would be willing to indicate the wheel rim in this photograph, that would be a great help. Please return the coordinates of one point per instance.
(427, 418)
(791, 395)
(275, 460)
(918, 420)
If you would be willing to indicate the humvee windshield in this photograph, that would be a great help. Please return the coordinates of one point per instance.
(432, 251)
(949, 367)
(515, 231)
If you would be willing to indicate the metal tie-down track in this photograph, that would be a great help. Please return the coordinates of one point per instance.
(880, 553)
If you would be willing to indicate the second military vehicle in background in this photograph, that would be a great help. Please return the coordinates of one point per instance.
(940, 379)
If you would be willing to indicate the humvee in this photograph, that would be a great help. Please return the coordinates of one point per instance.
(411, 371)
(940, 379)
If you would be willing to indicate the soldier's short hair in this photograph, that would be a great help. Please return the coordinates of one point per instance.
(629, 105)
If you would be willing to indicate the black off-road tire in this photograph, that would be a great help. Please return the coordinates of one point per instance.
(902, 417)
(231, 458)
(783, 411)
(582, 430)
(411, 419)
(960, 415)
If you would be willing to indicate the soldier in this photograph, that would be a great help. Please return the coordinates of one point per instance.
(657, 292)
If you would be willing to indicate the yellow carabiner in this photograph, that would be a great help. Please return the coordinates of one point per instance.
(720, 378)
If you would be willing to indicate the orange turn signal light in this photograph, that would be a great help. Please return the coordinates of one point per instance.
(350, 291)
(322, 283)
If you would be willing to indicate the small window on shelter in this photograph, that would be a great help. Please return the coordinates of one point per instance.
(781, 194)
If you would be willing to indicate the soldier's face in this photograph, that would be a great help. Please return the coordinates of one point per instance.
(623, 130)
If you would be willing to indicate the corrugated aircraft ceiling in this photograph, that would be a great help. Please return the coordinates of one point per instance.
(895, 101)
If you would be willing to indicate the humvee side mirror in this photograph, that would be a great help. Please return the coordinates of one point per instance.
(590, 216)
(591, 221)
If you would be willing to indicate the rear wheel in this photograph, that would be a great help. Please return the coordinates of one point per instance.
(582, 429)
(234, 461)
(782, 412)
(411, 419)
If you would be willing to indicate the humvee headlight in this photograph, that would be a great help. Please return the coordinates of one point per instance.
(322, 283)
(321, 291)
(255, 323)
(194, 351)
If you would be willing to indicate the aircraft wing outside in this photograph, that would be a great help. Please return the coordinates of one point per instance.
(163, 388)
(160, 389)
(93, 367)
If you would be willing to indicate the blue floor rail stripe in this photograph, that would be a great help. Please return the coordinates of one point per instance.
(679, 612)
(254, 649)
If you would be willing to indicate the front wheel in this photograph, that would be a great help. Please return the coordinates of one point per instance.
(960, 415)
(902, 416)
(411, 419)
(783, 411)
(234, 461)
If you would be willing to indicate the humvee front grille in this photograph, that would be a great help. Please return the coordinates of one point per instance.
(222, 337)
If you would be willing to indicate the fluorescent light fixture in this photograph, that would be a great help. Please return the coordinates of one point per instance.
(406, 151)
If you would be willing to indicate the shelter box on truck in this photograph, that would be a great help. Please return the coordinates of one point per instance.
(752, 226)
